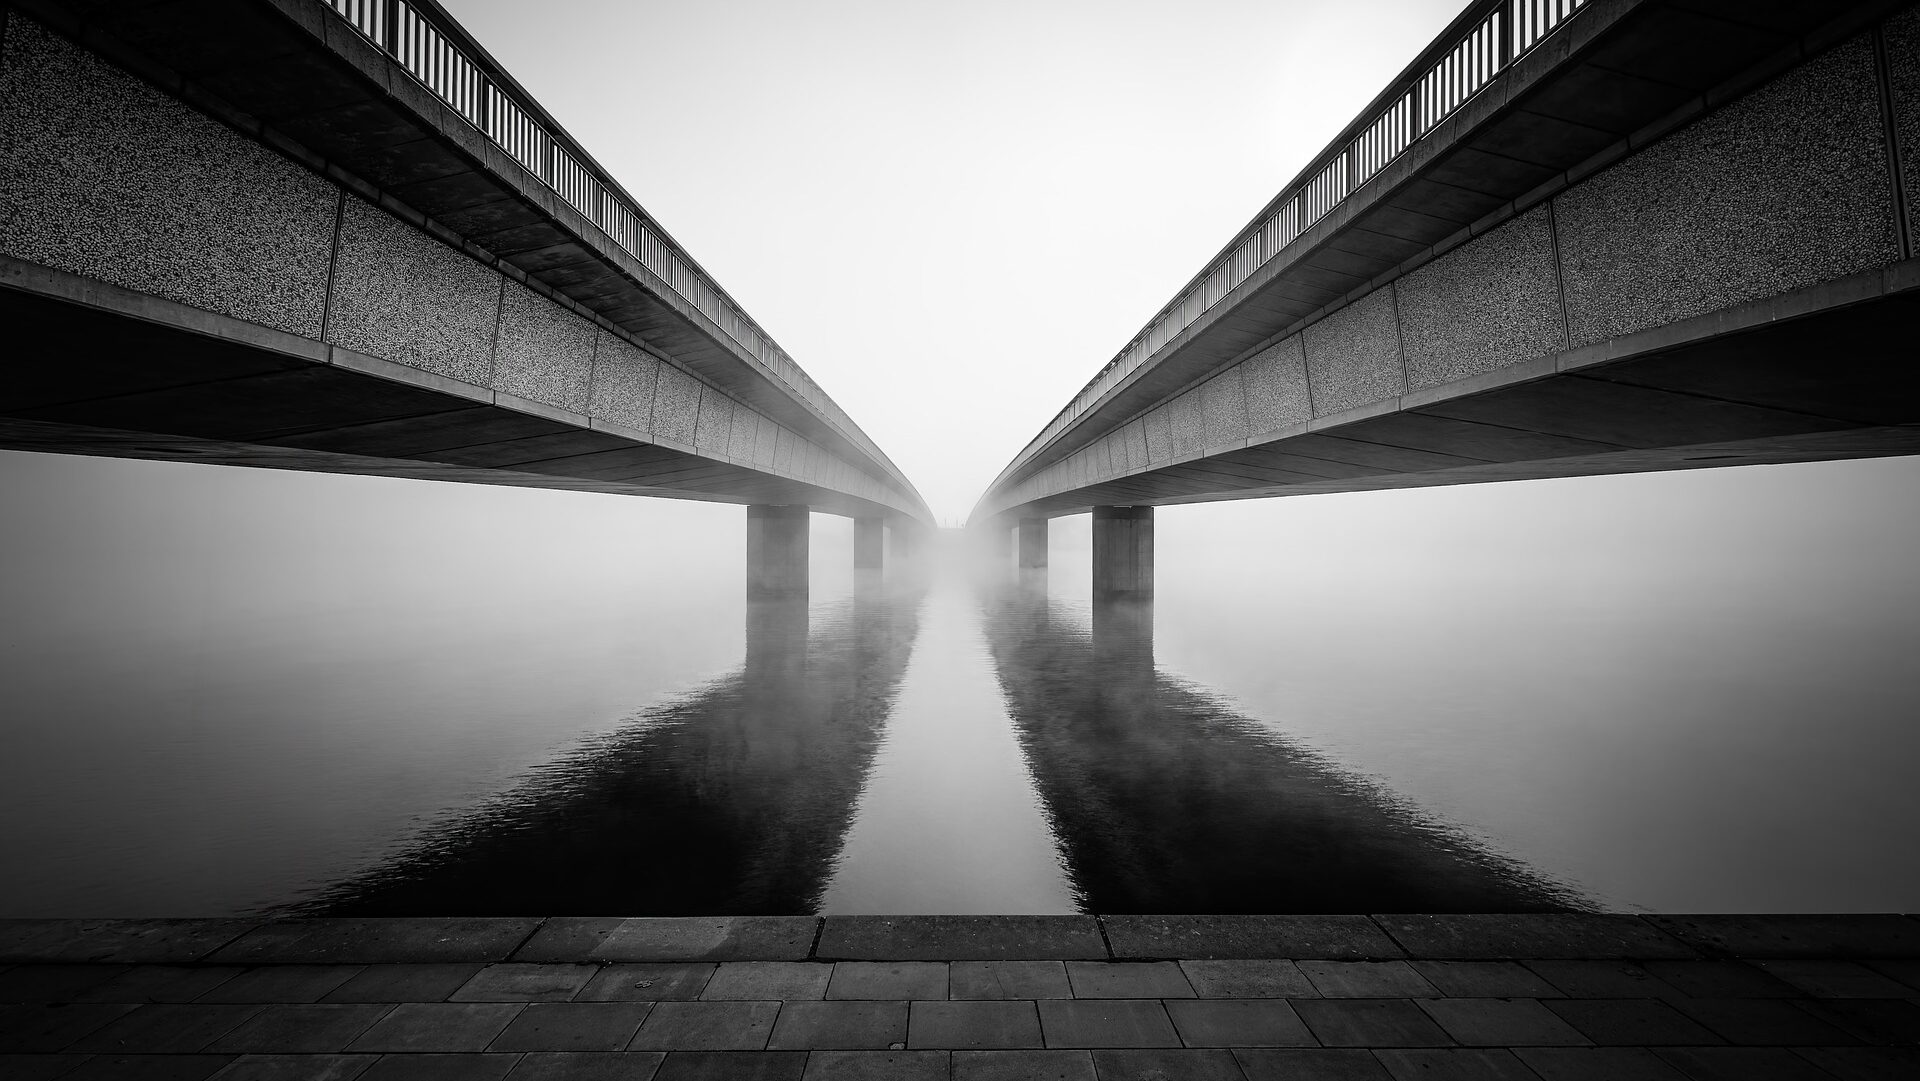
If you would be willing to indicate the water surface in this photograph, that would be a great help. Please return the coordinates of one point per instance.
(237, 691)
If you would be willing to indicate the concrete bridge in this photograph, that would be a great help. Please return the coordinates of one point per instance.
(337, 236)
(1571, 238)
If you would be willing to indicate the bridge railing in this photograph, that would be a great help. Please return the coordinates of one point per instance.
(433, 49)
(1496, 32)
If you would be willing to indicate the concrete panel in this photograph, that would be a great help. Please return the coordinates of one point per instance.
(544, 351)
(1783, 188)
(1483, 305)
(1353, 355)
(624, 380)
(1223, 409)
(1134, 438)
(744, 434)
(400, 295)
(764, 444)
(1188, 435)
(1275, 384)
(1903, 64)
(102, 175)
(783, 452)
(1159, 429)
(676, 406)
(714, 427)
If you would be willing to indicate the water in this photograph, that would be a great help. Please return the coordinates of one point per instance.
(233, 691)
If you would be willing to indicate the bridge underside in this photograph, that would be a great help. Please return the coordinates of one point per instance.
(185, 385)
(1841, 383)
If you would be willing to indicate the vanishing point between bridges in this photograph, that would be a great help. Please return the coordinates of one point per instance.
(314, 770)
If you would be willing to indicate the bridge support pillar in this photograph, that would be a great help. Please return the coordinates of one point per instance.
(776, 552)
(1122, 553)
(869, 544)
(1033, 543)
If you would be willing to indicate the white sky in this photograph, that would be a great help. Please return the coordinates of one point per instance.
(953, 214)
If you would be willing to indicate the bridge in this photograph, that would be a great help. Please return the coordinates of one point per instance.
(337, 236)
(1573, 237)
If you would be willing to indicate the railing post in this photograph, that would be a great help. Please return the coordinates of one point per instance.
(390, 27)
(1505, 17)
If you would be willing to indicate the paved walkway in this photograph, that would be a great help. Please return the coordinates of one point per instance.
(1246, 998)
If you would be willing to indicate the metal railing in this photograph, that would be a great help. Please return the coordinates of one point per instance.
(426, 42)
(1502, 32)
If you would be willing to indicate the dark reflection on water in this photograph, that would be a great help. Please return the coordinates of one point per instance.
(1166, 800)
(730, 799)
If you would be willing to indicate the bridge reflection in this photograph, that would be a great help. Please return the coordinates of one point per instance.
(1166, 800)
(733, 798)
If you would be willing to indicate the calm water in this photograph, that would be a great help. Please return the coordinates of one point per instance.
(230, 691)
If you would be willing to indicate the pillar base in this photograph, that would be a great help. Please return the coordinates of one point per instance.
(777, 552)
(1123, 553)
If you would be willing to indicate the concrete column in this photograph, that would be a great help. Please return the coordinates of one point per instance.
(869, 537)
(1033, 542)
(776, 552)
(1123, 552)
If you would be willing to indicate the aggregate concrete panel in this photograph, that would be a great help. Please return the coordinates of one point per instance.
(1783, 188)
(1133, 438)
(1483, 305)
(765, 444)
(102, 175)
(714, 426)
(1223, 409)
(1274, 382)
(744, 434)
(624, 381)
(1353, 355)
(1903, 72)
(401, 295)
(1188, 433)
(783, 451)
(544, 351)
(676, 406)
(1159, 432)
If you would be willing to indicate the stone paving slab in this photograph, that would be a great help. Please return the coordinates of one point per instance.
(701, 938)
(766, 997)
(378, 941)
(1811, 936)
(961, 938)
(1531, 935)
(132, 941)
(1246, 937)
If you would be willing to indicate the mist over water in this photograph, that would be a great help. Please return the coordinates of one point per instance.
(239, 691)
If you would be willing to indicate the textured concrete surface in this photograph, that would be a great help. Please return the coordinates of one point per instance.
(1903, 71)
(624, 381)
(1786, 187)
(400, 295)
(714, 425)
(1223, 409)
(1276, 387)
(676, 406)
(1353, 355)
(1485, 304)
(543, 352)
(1189, 431)
(102, 175)
(1680, 998)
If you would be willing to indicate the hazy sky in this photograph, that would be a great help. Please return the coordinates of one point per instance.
(953, 214)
